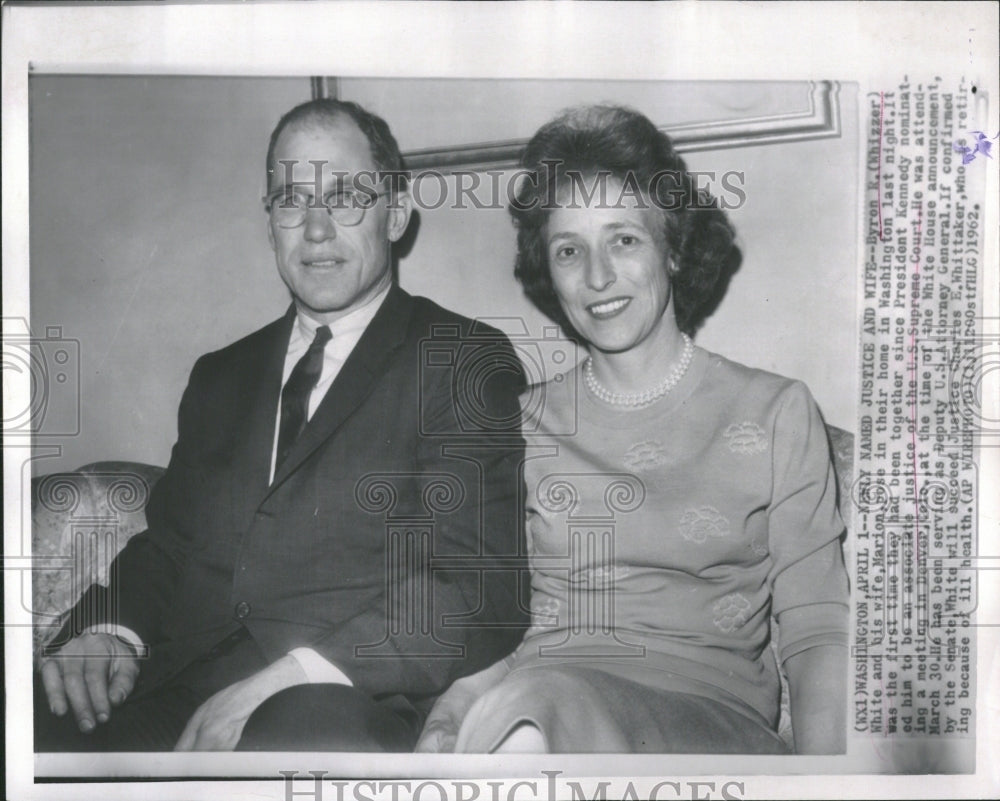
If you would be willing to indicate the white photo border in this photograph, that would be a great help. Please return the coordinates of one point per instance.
(871, 43)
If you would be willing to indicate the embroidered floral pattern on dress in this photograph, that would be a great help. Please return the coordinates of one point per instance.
(730, 612)
(697, 525)
(544, 613)
(758, 548)
(746, 438)
(645, 455)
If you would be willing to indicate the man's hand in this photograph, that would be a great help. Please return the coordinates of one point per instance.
(217, 724)
(89, 675)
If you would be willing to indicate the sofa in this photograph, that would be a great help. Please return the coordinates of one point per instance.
(82, 518)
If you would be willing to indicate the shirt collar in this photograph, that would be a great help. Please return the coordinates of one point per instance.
(354, 321)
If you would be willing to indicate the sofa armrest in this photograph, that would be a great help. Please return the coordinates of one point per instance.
(80, 520)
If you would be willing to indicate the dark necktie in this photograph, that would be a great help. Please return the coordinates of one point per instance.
(295, 394)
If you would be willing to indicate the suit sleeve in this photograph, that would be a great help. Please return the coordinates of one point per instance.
(143, 575)
(458, 613)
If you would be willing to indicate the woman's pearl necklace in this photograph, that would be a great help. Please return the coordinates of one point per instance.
(637, 399)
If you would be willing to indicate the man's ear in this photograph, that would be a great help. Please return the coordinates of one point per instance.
(400, 209)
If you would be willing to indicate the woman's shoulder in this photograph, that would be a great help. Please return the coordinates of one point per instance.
(751, 384)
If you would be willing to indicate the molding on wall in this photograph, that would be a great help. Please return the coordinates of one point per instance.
(820, 120)
(323, 86)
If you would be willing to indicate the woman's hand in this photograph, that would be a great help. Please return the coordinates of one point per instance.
(442, 725)
(217, 724)
(817, 683)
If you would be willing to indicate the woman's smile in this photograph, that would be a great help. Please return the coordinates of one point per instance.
(606, 309)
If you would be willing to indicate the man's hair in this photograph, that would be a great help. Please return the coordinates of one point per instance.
(323, 111)
(612, 141)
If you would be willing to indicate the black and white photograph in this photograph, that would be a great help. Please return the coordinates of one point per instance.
(481, 406)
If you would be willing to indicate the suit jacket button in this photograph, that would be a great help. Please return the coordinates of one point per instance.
(242, 610)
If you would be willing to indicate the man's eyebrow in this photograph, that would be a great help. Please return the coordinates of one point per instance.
(306, 188)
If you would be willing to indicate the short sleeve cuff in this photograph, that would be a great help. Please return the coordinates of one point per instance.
(811, 625)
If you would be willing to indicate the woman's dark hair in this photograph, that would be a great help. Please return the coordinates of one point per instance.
(612, 141)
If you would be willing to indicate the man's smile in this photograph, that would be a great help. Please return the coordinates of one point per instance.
(325, 262)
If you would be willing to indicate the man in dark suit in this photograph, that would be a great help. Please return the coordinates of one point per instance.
(337, 536)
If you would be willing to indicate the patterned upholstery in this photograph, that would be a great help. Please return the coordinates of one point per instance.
(842, 446)
(80, 520)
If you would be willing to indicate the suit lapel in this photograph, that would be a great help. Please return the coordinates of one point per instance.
(354, 382)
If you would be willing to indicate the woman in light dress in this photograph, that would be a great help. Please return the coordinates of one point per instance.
(676, 500)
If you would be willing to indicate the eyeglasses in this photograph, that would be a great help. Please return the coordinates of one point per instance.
(288, 206)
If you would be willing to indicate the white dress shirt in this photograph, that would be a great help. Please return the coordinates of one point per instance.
(346, 331)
